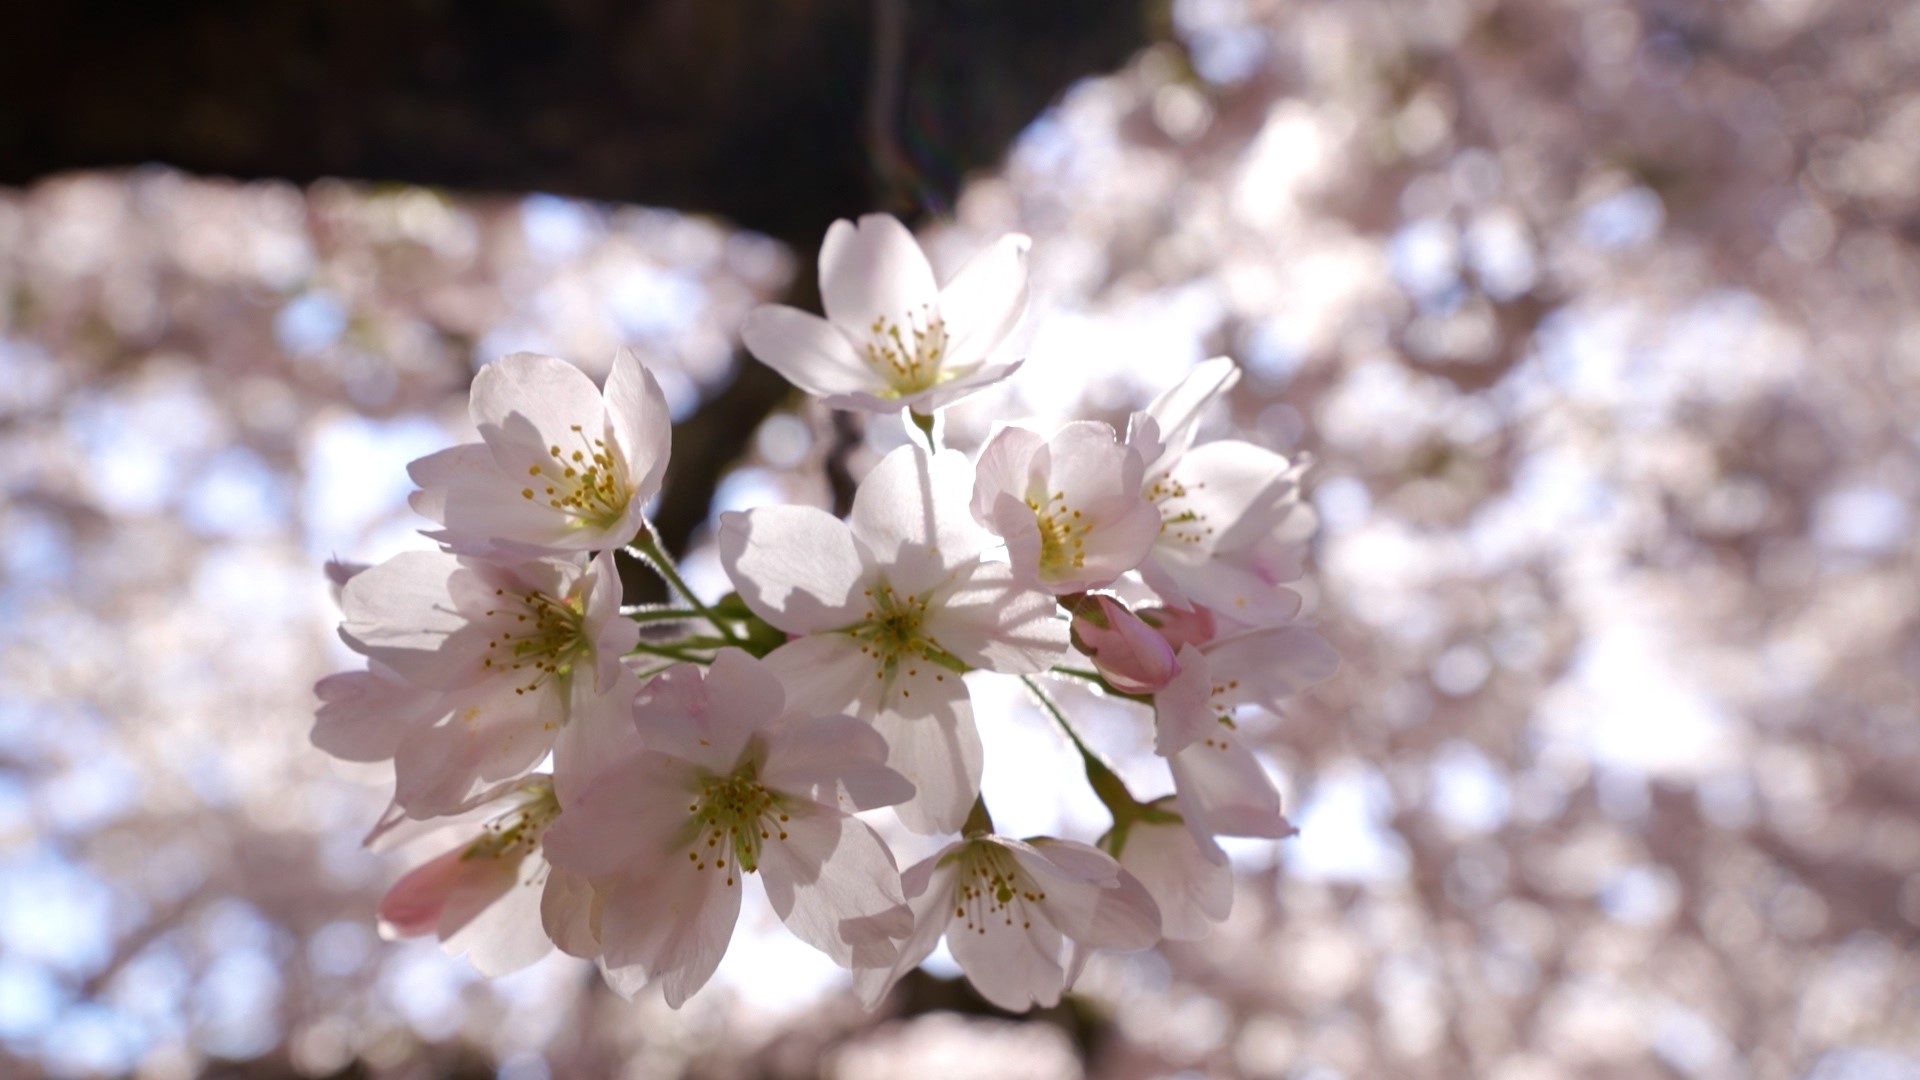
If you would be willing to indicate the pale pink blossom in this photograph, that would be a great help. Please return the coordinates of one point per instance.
(1187, 875)
(1069, 507)
(1228, 509)
(1019, 917)
(887, 609)
(1220, 787)
(725, 779)
(485, 896)
(519, 658)
(1132, 655)
(892, 337)
(561, 465)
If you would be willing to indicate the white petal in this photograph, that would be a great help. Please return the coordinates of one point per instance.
(490, 734)
(835, 760)
(1004, 468)
(482, 508)
(403, 613)
(985, 300)
(911, 512)
(631, 814)
(1238, 492)
(808, 351)
(613, 637)
(1222, 790)
(873, 270)
(1177, 412)
(954, 390)
(638, 424)
(936, 747)
(569, 912)
(929, 888)
(1233, 591)
(1191, 883)
(1264, 667)
(505, 934)
(706, 717)
(1183, 709)
(363, 715)
(826, 674)
(832, 880)
(1015, 965)
(991, 621)
(524, 403)
(670, 923)
(795, 566)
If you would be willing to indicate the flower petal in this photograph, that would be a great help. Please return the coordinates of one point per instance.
(1177, 412)
(797, 567)
(499, 929)
(833, 881)
(936, 747)
(911, 514)
(638, 423)
(990, 620)
(985, 300)
(1221, 790)
(873, 269)
(833, 759)
(671, 924)
(808, 351)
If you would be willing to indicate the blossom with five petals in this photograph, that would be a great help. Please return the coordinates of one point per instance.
(561, 465)
(892, 337)
(521, 656)
(723, 780)
(887, 609)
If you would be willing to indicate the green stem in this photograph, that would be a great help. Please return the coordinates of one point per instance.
(925, 422)
(1106, 783)
(646, 547)
(1100, 681)
(646, 613)
(670, 652)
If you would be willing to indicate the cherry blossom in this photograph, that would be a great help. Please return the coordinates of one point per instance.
(888, 608)
(891, 336)
(1187, 875)
(726, 779)
(1069, 507)
(485, 896)
(1228, 509)
(517, 656)
(1020, 917)
(561, 466)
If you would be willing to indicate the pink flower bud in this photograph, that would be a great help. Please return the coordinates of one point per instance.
(1194, 627)
(1132, 655)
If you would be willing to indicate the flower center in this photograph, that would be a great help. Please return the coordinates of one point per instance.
(516, 833)
(908, 357)
(734, 814)
(890, 632)
(547, 637)
(1179, 524)
(992, 888)
(1063, 534)
(585, 483)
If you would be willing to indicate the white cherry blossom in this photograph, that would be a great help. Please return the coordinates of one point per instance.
(891, 336)
(723, 780)
(561, 465)
(1069, 507)
(1228, 509)
(1187, 875)
(484, 897)
(1020, 917)
(518, 656)
(887, 609)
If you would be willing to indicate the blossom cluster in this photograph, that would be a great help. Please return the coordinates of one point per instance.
(602, 777)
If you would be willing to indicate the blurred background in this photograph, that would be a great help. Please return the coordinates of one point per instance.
(1601, 319)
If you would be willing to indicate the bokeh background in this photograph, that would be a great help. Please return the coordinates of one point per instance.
(1601, 319)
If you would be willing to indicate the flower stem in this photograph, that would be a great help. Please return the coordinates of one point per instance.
(925, 422)
(1100, 681)
(670, 652)
(646, 613)
(1106, 783)
(646, 547)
